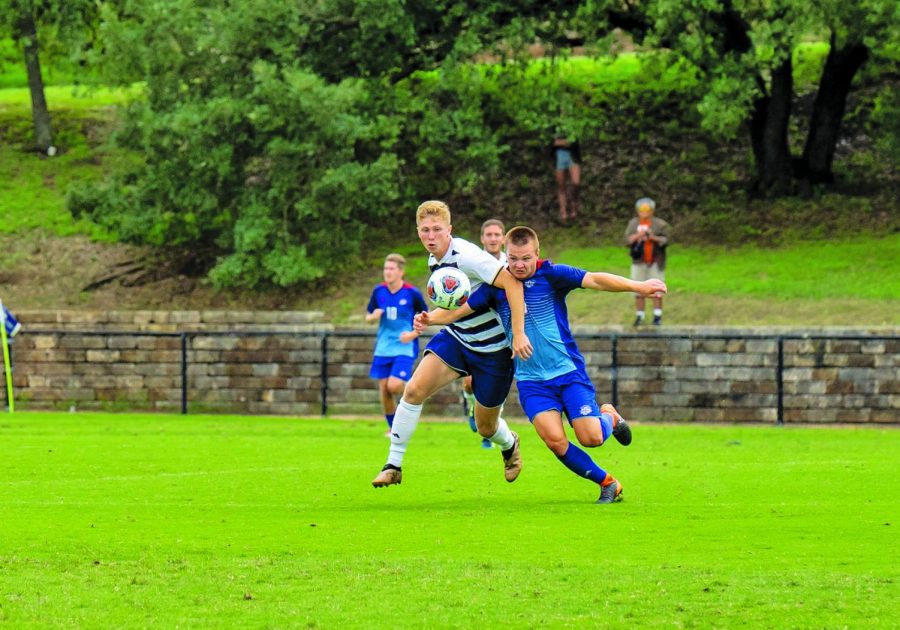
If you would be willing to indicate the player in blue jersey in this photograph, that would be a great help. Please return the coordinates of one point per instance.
(393, 304)
(554, 381)
(476, 345)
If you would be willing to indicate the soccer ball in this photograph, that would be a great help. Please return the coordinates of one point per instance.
(449, 288)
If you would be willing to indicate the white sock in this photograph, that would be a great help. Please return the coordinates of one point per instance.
(503, 437)
(640, 314)
(657, 312)
(405, 422)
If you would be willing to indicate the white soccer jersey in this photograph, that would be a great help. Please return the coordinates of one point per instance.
(480, 332)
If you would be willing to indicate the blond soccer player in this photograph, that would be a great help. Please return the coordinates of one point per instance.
(476, 345)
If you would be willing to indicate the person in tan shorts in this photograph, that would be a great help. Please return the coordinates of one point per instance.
(647, 237)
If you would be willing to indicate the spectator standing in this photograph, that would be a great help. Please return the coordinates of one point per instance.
(647, 237)
(566, 157)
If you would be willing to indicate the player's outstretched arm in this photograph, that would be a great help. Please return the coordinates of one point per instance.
(515, 294)
(601, 281)
(439, 317)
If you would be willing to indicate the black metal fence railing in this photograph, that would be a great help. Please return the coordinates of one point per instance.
(613, 337)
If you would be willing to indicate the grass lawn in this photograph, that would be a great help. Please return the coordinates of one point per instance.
(34, 187)
(809, 283)
(139, 521)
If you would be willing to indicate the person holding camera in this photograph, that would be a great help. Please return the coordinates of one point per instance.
(647, 237)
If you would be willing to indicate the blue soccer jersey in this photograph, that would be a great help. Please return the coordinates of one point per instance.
(546, 320)
(399, 309)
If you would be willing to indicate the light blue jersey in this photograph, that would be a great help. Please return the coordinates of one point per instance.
(399, 310)
(546, 320)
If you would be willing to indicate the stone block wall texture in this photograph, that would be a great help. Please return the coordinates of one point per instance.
(271, 363)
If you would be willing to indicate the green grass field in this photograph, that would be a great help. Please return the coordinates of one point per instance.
(163, 521)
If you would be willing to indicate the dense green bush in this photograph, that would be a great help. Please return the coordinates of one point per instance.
(272, 175)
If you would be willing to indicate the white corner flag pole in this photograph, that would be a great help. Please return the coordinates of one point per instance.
(7, 368)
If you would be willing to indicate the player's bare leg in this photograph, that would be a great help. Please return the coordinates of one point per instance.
(589, 431)
(561, 196)
(431, 375)
(575, 175)
(390, 389)
(388, 403)
(549, 426)
(494, 428)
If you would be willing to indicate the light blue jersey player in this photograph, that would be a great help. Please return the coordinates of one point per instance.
(476, 345)
(554, 381)
(393, 305)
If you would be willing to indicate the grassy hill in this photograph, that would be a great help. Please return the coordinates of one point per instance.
(734, 261)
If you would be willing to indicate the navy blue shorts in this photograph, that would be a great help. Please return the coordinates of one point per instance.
(572, 393)
(492, 372)
(399, 367)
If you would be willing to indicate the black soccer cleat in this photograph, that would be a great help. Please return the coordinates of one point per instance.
(621, 431)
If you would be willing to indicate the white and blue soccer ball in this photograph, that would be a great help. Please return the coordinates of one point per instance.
(449, 288)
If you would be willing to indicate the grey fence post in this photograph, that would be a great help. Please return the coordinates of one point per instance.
(184, 373)
(614, 370)
(779, 380)
(325, 374)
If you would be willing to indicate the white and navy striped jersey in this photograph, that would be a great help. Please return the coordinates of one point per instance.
(480, 332)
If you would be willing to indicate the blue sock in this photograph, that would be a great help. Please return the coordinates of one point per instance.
(606, 425)
(581, 464)
(390, 419)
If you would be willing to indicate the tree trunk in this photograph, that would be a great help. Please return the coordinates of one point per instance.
(828, 110)
(40, 114)
(769, 134)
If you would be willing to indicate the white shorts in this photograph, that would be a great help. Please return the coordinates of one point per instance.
(642, 271)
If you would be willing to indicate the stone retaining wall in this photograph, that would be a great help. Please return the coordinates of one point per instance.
(272, 363)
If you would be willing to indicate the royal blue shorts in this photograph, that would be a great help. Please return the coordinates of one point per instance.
(492, 372)
(572, 394)
(399, 367)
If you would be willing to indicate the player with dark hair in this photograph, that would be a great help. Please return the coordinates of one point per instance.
(554, 381)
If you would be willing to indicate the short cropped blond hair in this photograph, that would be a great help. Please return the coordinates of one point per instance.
(396, 258)
(433, 209)
(522, 235)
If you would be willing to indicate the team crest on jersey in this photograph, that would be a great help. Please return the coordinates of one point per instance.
(529, 283)
(585, 410)
(403, 302)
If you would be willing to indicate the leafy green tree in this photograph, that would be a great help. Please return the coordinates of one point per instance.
(251, 162)
(743, 48)
(278, 137)
(64, 26)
